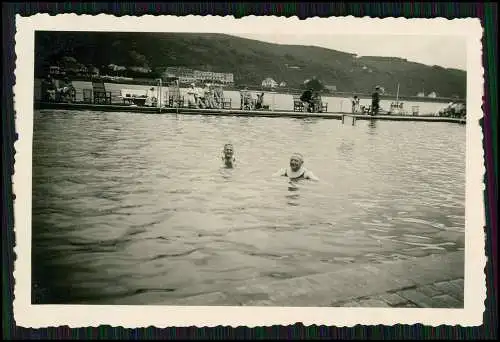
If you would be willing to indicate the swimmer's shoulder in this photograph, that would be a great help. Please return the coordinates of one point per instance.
(308, 174)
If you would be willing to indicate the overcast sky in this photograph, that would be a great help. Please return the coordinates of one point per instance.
(445, 51)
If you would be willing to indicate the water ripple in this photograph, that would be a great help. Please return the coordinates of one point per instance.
(136, 209)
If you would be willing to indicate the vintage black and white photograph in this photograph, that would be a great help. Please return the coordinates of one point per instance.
(225, 165)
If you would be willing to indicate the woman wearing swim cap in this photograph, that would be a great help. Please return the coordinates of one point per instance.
(296, 170)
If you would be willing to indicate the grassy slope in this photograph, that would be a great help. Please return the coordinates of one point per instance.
(250, 61)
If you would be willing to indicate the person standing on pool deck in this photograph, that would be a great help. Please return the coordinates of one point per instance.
(375, 101)
(228, 156)
(296, 170)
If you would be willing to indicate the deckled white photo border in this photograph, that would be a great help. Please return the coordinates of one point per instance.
(40, 316)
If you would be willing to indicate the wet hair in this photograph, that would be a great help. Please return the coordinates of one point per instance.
(224, 150)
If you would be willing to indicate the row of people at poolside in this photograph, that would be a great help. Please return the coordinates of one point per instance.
(375, 105)
(295, 171)
(210, 97)
(248, 102)
(62, 92)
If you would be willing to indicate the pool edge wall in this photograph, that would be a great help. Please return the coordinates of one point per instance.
(236, 112)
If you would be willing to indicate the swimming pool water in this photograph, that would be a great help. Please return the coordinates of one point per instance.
(136, 208)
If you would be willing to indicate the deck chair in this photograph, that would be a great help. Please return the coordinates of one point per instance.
(298, 105)
(175, 100)
(101, 96)
(87, 95)
(226, 103)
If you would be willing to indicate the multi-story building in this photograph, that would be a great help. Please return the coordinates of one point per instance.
(228, 78)
(187, 79)
(204, 75)
(179, 72)
(140, 69)
(187, 75)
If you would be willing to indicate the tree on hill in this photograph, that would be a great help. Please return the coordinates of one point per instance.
(313, 84)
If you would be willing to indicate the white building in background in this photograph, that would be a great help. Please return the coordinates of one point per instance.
(203, 75)
(269, 83)
(283, 84)
(214, 77)
(115, 67)
(228, 78)
(55, 70)
(187, 75)
(143, 70)
(433, 94)
(421, 94)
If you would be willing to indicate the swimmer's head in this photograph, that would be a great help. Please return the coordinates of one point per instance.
(228, 151)
(296, 161)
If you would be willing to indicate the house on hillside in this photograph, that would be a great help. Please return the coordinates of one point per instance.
(283, 84)
(421, 94)
(55, 70)
(330, 88)
(140, 69)
(433, 94)
(83, 70)
(94, 71)
(296, 67)
(115, 67)
(269, 83)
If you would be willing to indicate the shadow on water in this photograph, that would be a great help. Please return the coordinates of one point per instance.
(50, 281)
(226, 171)
(293, 195)
(346, 148)
(307, 122)
(372, 125)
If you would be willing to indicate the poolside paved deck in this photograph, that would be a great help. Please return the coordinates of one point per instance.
(434, 281)
(238, 112)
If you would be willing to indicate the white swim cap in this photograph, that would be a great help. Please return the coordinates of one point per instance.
(297, 156)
